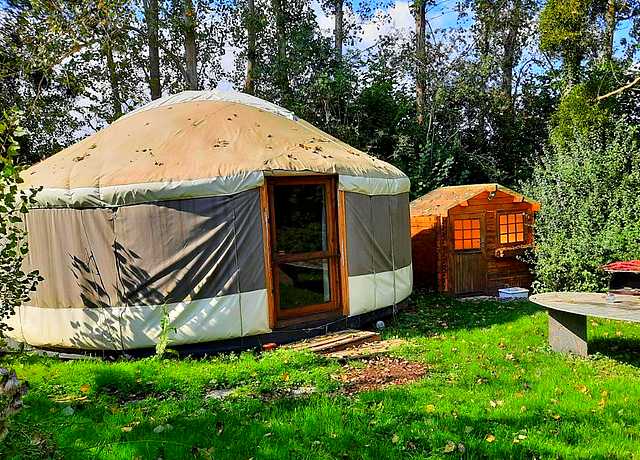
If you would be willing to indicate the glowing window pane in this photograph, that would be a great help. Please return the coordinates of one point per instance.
(467, 234)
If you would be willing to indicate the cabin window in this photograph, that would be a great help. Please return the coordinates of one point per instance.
(466, 234)
(511, 228)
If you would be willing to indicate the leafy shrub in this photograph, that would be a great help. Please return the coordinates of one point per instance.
(15, 284)
(589, 189)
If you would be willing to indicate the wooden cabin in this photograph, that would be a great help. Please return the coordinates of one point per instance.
(465, 239)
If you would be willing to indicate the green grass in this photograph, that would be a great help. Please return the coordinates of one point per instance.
(490, 373)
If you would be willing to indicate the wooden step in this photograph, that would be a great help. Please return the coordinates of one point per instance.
(336, 341)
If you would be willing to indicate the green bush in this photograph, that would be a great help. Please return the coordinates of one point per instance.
(589, 189)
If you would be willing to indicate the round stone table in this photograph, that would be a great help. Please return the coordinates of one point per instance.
(568, 313)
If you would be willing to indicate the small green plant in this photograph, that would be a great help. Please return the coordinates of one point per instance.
(164, 340)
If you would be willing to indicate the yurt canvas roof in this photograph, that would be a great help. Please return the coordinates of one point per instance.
(201, 143)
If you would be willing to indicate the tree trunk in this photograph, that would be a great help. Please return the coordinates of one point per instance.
(338, 31)
(190, 47)
(420, 12)
(151, 17)
(282, 79)
(610, 30)
(116, 101)
(250, 24)
(510, 48)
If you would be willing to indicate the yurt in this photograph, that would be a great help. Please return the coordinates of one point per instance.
(210, 216)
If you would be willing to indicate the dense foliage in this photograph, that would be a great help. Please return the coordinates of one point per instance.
(15, 284)
(591, 208)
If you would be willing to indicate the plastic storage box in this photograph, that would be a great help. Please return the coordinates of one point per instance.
(513, 293)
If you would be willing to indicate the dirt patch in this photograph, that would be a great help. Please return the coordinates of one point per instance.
(367, 350)
(380, 372)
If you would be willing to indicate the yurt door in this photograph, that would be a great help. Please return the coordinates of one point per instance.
(467, 261)
(304, 245)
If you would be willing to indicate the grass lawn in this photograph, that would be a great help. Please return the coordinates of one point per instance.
(493, 389)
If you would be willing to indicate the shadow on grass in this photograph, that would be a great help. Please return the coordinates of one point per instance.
(621, 349)
(429, 314)
(314, 428)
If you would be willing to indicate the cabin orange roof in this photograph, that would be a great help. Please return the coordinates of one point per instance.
(440, 200)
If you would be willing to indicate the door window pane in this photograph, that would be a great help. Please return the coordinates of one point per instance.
(466, 234)
(304, 283)
(300, 218)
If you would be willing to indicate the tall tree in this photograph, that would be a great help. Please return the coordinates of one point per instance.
(152, 18)
(189, 19)
(281, 71)
(252, 52)
(338, 29)
(565, 32)
(419, 7)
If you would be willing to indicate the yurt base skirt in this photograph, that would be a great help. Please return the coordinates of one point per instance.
(249, 342)
(242, 318)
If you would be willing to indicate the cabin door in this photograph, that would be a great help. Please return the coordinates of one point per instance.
(467, 261)
(304, 246)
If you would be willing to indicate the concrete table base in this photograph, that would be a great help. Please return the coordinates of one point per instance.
(568, 313)
(568, 332)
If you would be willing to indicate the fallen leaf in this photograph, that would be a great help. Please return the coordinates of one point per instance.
(490, 438)
(449, 447)
(430, 408)
(85, 388)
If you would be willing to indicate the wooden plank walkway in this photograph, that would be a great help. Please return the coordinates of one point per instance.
(336, 341)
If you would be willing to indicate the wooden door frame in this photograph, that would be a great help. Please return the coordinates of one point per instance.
(332, 254)
(453, 252)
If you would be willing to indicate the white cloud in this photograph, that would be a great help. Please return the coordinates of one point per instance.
(395, 19)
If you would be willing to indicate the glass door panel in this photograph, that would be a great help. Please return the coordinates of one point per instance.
(301, 222)
(304, 245)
